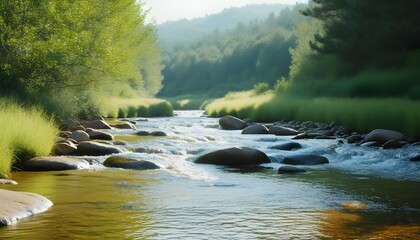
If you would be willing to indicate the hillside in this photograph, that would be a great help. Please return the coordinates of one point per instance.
(176, 31)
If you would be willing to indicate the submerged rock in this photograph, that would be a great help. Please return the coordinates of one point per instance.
(234, 157)
(290, 169)
(158, 134)
(383, 136)
(96, 149)
(287, 146)
(142, 133)
(129, 163)
(305, 160)
(17, 205)
(54, 164)
(232, 123)
(255, 129)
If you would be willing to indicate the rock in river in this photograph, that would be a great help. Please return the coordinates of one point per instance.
(383, 136)
(17, 205)
(255, 129)
(100, 135)
(128, 163)
(231, 123)
(283, 131)
(287, 146)
(79, 136)
(305, 160)
(96, 149)
(234, 157)
(54, 164)
(96, 124)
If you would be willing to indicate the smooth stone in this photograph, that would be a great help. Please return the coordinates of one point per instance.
(234, 157)
(232, 123)
(125, 125)
(158, 134)
(305, 160)
(119, 142)
(255, 129)
(282, 131)
(100, 135)
(59, 139)
(142, 133)
(88, 130)
(96, 117)
(392, 144)
(383, 136)
(17, 205)
(80, 136)
(65, 148)
(287, 146)
(128, 163)
(79, 127)
(7, 181)
(96, 124)
(54, 164)
(415, 159)
(96, 149)
(290, 169)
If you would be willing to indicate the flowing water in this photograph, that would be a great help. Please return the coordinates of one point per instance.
(364, 193)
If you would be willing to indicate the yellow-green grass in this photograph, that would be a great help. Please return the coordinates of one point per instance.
(26, 133)
(137, 107)
(357, 114)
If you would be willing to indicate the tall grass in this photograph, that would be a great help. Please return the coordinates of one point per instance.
(26, 133)
(358, 114)
(138, 107)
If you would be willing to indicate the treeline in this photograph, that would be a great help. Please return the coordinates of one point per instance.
(67, 56)
(232, 60)
(357, 49)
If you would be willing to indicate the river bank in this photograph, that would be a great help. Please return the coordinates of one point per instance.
(347, 197)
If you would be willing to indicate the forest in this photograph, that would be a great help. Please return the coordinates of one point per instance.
(68, 56)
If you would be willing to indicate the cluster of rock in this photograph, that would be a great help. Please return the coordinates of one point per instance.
(235, 157)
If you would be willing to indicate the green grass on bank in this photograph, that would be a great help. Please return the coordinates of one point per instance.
(190, 102)
(26, 133)
(358, 114)
(138, 107)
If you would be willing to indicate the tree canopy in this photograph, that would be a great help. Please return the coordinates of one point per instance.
(77, 49)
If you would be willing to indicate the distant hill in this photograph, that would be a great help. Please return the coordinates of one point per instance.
(175, 31)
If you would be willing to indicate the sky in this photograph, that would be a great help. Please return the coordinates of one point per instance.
(165, 10)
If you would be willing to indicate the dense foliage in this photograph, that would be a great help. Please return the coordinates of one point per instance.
(358, 48)
(66, 54)
(232, 60)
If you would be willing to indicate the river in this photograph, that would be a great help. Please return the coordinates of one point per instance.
(363, 193)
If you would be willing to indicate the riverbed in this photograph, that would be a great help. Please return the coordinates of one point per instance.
(363, 193)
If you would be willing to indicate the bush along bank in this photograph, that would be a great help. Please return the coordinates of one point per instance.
(357, 114)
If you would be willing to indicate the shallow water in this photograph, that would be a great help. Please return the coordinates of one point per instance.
(364, 193)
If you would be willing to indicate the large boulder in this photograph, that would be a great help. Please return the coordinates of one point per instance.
(100, 135)
(17, 205)
(231, 123)
(54, 164)
(290, 169)
(282, 131)
(125, 125)
(96, 149)
(65, 148)
(234, 157)
(383, 136)
(128, 163)
(80, 136)
(255, 129)
(96, 124)
(287, 146)
(305, 160)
